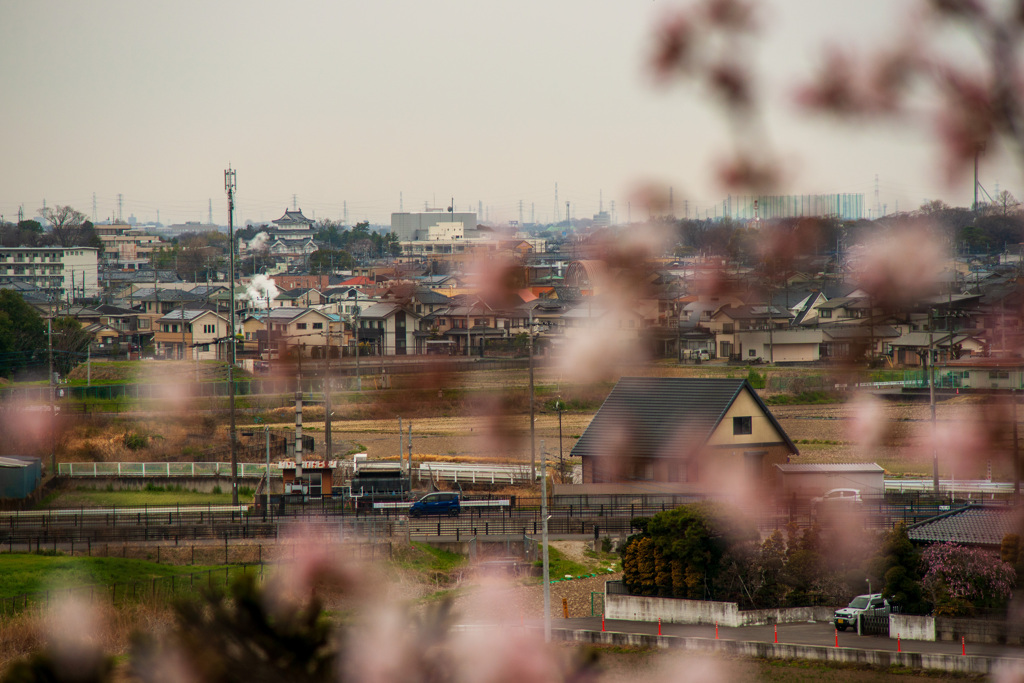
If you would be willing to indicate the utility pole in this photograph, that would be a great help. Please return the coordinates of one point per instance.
(53, 405)
(327, 396)
(533, 452)
(931, 402)
(544, 543)
(355, 331)
(229, 186)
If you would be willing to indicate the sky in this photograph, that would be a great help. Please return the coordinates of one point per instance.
(374, 107)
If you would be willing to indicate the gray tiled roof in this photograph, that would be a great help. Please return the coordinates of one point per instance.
(974, 525)
(661, 416)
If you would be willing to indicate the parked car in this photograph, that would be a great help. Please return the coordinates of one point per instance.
(868, 605)
(438, 503)
(837, 497)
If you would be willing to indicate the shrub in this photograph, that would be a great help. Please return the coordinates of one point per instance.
(756, 379)
(134, 441)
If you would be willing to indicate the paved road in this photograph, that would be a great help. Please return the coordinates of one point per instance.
(818, 633)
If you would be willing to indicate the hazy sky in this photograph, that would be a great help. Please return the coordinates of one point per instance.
(364, 103)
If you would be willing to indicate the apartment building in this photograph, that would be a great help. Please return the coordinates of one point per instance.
(62, 272)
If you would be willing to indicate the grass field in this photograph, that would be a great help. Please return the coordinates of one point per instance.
(30, 573)
(89, 498)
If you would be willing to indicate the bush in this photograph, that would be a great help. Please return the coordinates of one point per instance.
(134, 441)
(756, 379)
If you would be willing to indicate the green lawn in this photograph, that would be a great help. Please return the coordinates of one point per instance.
(90, 498)
(29, 573)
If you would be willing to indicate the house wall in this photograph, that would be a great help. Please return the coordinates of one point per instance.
(762, 429)
(782, 346)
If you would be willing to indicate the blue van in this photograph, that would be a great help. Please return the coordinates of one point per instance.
(438, 503)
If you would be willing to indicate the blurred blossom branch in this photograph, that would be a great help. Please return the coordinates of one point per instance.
(975, 107)
(708, 43)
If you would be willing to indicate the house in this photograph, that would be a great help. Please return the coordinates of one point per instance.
(682, 434)
(728, 320)
(981, 373)
(305, 329)
(190, 334)
(388, 327)
(792, 345)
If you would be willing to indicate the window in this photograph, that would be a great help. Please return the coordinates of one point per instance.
(300, 326)
(751, 352)
(209, 329)
(824, 313)
(742, 425)
(318, 326)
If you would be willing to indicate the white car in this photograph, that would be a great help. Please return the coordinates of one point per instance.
(838, 496)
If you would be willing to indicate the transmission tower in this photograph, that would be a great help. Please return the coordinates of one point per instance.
(295, 202)
(93, 207)
(400, 209)
(611, 209)
(878, 204)
(120, 205)
(209, 213)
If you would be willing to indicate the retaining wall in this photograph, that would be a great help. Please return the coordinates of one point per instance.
(971, 664)
(676, 611)
(909, 627)
(998, 632)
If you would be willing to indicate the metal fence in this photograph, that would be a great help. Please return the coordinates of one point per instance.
(246, 470)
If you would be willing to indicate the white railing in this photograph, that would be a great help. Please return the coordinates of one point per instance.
(246, 470)
(474, 474)
(878, 385)
(982, 486)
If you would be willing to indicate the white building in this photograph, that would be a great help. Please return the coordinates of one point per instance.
(60, 271)
(432, 225)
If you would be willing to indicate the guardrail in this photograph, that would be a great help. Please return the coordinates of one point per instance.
(246, 470)
(982, 486)
(403, 505)
(473, 474)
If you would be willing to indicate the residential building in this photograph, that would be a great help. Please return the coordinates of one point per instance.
(389, 328)
(62, 272)
(682, 434)
(190, 334)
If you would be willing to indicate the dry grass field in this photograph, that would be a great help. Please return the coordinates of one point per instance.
(483, 416)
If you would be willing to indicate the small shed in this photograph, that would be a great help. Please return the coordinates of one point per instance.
(806, 481)
(19, 475)
(316, 477)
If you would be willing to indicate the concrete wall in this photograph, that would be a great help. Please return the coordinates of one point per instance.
(676, 611)
(838, 655)
(997, 632)
(909, 627)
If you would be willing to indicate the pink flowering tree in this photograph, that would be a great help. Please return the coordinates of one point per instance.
(961, 579)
